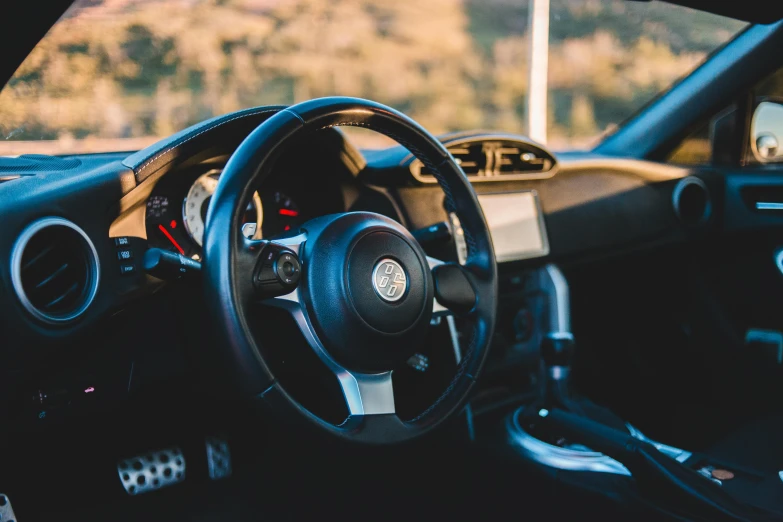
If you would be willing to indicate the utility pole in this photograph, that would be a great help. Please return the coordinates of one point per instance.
(538, 68)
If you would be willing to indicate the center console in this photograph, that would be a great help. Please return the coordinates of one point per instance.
(532, 304)
(564, 437)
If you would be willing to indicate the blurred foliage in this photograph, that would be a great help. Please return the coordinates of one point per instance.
(125, 68)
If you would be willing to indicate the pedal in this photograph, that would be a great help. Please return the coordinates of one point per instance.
(218, 458)
(151, 471)
(6, 511)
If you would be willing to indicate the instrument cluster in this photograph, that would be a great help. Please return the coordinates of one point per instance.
(177, 211)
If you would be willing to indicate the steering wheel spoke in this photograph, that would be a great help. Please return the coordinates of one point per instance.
(364, 393)
(368, 393)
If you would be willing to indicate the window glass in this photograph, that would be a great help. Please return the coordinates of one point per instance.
(120, 74)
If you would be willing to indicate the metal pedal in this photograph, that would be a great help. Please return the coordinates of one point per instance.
(6, 511)
(218, 458)
(151, 471)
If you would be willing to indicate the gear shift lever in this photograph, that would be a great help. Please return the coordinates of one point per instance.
(557, 352)
(557, 356)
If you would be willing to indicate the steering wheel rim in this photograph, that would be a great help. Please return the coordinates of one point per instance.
(229, 259)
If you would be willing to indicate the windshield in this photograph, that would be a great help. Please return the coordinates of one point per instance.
(121, 74)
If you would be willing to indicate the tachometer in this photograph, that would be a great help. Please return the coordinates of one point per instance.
(162, 226)
(195, 205)
(282, 214)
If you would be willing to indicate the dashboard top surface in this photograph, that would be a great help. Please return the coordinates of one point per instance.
(590, 205)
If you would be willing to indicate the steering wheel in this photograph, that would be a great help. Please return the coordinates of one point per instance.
(358, 285)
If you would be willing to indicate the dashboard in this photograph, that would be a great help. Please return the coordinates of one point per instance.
(69, 326)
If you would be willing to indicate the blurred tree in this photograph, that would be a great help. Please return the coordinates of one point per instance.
(128, 68)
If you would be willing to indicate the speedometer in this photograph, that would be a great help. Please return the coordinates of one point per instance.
(196, 204)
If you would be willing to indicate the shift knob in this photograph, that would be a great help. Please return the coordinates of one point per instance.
(557, 349)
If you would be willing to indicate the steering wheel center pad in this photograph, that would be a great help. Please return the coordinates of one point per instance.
(362, 330)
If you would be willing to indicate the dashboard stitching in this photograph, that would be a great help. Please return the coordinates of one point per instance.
(194, 136)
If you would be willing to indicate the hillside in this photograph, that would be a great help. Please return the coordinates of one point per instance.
(133, 69)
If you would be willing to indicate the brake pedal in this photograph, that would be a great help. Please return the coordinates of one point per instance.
(6, 511)
(151, 471)
(218, 458)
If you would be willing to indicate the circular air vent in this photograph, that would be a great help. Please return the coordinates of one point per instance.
(55, 270)
(692, 202)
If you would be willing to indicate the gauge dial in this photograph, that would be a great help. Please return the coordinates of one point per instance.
(282, 214)
(196, 204)
(162, 226)
(157, 207)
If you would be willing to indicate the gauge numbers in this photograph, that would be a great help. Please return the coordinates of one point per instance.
(196, 204)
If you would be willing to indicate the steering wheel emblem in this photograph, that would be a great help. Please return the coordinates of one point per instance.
(389, 280)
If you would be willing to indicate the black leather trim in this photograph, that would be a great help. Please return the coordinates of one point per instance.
(234, 127)
(226, 280)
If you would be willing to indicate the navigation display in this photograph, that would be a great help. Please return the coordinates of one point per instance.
(516, 224)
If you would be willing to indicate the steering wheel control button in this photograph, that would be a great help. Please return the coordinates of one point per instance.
(389, 280)
(278, 272)
(288, 269)
(266, 275)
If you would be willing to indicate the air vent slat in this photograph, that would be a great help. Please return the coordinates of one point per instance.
(52, 277)
(55, 270)
(45, 251)
(68, 293)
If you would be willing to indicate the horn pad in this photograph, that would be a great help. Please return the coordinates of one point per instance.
(369, 289)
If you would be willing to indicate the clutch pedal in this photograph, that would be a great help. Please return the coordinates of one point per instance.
(151, 471)
(6, 511)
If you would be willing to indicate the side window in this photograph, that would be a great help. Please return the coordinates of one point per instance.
(766, 124)
(771, 86)
(709, 140)
(696, 149)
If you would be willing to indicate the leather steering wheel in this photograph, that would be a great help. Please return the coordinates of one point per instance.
(358, 285)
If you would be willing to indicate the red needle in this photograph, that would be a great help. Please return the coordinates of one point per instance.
(287, 212)
(173, 241)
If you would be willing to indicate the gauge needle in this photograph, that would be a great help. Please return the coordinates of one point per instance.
(287, 212)
(173, 241)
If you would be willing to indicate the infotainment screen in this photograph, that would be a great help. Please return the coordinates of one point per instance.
(516, 225)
